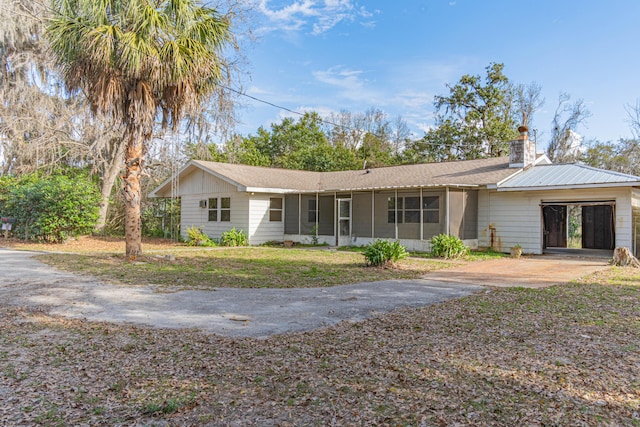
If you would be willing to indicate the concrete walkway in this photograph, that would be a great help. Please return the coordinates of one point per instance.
(25, 281)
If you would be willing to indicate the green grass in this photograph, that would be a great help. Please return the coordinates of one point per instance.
(248, 267)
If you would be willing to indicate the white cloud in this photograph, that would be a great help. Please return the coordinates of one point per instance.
(314, 16)
(341, 77)
(351, 85)
(414, 100)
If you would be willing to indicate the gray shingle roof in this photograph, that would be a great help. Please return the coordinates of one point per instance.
(459, 173)
(566, 175)
(467, 173)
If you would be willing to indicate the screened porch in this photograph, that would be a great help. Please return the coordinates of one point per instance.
(355, 218)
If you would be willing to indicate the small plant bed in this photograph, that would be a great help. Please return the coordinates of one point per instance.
(247, 267)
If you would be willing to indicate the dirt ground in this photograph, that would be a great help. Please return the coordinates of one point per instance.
(91, 244)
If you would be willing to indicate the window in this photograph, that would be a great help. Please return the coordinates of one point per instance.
(412, 210)
(220, 209)
(275, 209)
(213, 209)
(313, 211)
(408, 209)
(391, 213)
(225, 209)
(431, 209)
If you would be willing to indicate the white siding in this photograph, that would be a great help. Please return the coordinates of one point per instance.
(201, 182)
(516, 217)
(635, 228)
(262, 230)
(199, 186)
(194, 215)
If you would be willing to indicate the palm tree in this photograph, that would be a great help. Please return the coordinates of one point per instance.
(139, 60)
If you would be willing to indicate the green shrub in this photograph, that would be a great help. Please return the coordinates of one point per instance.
(53, 208)
(383, 252)
(447, 246)
(197, 237)
(234, 237)
(314, 234)
(161, 218)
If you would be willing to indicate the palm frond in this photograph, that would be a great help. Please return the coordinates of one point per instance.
(138, 56)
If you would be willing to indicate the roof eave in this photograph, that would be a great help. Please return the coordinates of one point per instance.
(276, 190)
(337, 190)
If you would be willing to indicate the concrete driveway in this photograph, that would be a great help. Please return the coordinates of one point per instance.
(527, 272)
(25, 281)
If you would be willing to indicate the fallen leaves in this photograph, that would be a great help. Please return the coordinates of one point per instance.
(566, 355)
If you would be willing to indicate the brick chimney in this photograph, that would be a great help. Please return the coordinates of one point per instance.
(522, 150)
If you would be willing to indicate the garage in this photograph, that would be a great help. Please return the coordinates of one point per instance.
(579, 225)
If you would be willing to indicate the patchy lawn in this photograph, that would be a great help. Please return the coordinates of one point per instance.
(565, 355)
(249, 267)
(182, 267)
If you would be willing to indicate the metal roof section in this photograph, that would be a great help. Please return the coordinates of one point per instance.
(566, 176)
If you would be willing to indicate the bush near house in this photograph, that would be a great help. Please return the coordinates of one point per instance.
(447, 246)
(197, 237)
(51, 209)
(383, 252)
(234, 237)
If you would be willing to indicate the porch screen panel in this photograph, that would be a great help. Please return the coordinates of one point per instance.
(408, 215)
(291, 208)
(308, 204)
(361, 215)
(433, 207)
(456, 211)
(470, 221)
(384, 226)
(326, 211)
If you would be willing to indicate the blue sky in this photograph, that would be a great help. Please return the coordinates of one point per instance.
(332, 55)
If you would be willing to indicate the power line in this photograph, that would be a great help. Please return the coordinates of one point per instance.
(272, 104)
(283, 108)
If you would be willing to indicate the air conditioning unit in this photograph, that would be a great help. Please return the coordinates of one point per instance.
(203, 203)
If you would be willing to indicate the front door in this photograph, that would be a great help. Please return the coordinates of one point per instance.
(344, 222)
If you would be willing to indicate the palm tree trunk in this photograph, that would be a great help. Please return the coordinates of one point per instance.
(133, 194)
